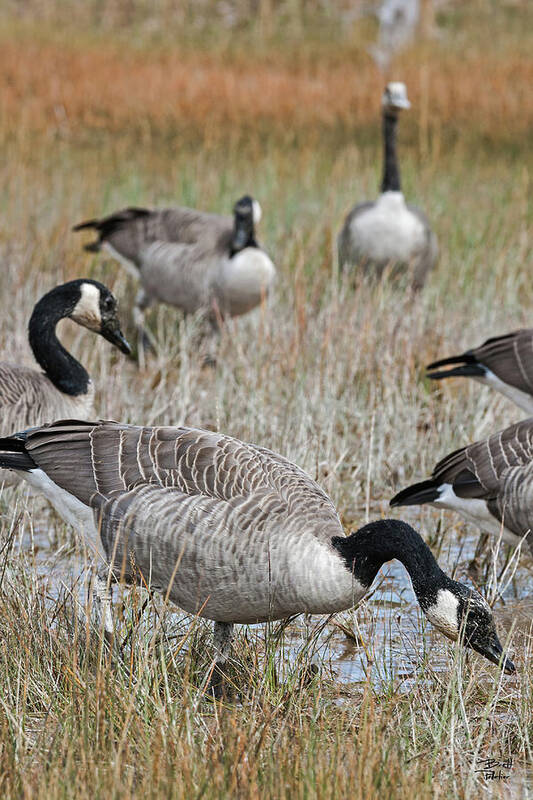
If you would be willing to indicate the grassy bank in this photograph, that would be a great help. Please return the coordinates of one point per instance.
(104, 109)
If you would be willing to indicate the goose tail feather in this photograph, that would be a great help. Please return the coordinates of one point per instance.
(417, 494)
(13, 454)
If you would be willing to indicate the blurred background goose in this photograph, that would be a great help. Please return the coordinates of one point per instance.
(504, 363)
(189, 259)
(490, 483)
(389, 231)
(229, 531)
(64, 389)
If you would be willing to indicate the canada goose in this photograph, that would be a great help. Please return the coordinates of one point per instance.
(228, 530)
(189, 259)
(504, 362)
(389, 231)
(29, 397)
(490, 483)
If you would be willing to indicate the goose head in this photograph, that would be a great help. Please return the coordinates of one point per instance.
(454, 609)
(394, 97)
(461, 613)
(247, 213)
(95, 307)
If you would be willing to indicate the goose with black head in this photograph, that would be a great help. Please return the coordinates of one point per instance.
(63, 389)
(230, 531)
(193, 260)
(389, 232)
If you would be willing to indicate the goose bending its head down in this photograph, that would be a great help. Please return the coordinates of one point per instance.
(189, 259)
(504, 363)
(388, 231)
(228, 530)
(490, 483)
(29, 397)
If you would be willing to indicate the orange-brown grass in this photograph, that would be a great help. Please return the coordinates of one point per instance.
(329, 375)
(60, 86)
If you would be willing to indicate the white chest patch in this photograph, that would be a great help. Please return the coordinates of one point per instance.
(388, 231)
(443, 615)
(87, 309)
(246, 279)
(518, 397)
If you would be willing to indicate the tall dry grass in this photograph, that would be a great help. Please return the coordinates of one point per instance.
(94, 118)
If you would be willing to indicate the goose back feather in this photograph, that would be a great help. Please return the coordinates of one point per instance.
(190, 259)
(228, 530)
(504, 363)
(389, 232)
(489, 482)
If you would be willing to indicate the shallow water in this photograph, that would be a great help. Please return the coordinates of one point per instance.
(384, 639)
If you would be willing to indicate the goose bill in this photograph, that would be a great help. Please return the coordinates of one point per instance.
(493, 651)
(111, 331)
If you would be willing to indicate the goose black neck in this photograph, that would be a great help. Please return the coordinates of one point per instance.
(243, 234)
(61, 368)
(366, 550)
(391, 171)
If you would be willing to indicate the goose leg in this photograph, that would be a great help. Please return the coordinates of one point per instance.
(144, 340)
(210, 340)
(222, 636)
(103, 600)
(474, 568)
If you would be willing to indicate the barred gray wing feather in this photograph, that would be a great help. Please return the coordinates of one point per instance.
(128, 234)
(106, 459)
(179, 274)
(29, 398)
(195, 549)
(490, 458)
(515, 502)
(510, 358)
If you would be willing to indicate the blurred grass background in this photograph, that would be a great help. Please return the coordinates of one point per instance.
(104, 105)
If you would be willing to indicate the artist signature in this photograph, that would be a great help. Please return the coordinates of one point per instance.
(492, 768)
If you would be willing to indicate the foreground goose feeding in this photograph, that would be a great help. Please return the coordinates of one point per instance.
(189, 259)
(29, 397)
(388, 231)
(504, 363)
(228, 530)
(490, 483)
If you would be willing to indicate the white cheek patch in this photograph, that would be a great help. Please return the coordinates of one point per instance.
(443, 615)
(87, 309)
(257, 213)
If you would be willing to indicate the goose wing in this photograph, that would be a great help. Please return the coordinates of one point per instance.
(99, 461)
(497, 470)
(28, 397)
(509, 357)
(127, 231)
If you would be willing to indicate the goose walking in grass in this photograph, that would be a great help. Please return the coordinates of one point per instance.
(228, 530)
(189, 259)
(64, 389)
(504, 363)
(490, 483)
(389, 232)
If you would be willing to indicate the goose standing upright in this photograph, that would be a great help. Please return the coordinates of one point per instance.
(490, 483)
(505, 363)
(63, 389)
(388, 232)
(189, 259)
(228, 530)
